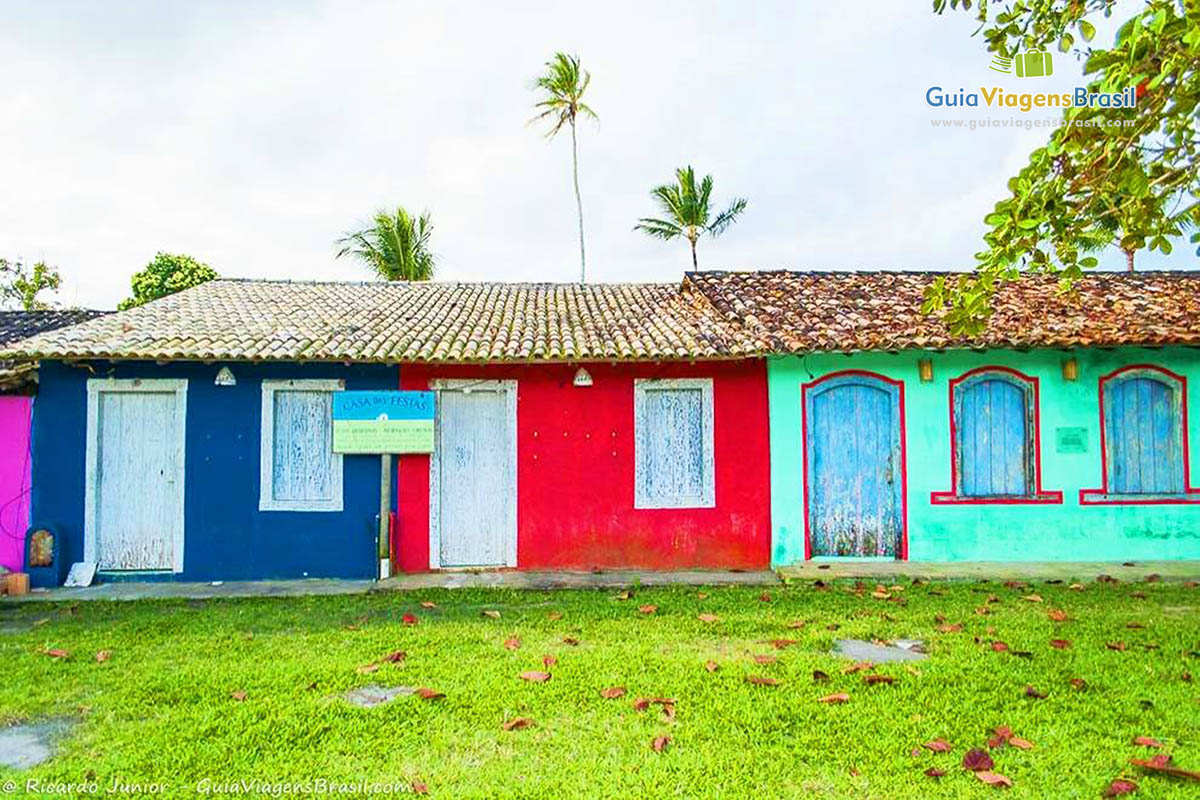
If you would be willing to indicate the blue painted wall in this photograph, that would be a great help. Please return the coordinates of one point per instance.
(226, 537)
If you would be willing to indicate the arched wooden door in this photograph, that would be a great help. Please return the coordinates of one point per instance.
(854, 463)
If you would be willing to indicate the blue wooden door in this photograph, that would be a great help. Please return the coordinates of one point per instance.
(854, 465)
(994, 448)
(1143, 432)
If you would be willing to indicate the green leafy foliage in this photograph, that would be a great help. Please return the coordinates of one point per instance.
(562, 87)
(1124, 177)
(687, 209)
(21, 285)
(167, 274)
(396, 247)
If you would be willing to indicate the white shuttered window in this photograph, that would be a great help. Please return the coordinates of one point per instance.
(673, 443)
(299, 470)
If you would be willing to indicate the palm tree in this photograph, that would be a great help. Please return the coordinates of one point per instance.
(396, 247)
(687, 208)
(564, 83)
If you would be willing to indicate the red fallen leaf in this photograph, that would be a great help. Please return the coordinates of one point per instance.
(1106, 579)
(409, 619)
(394, 657)
(1162, 763)
(1034, 693)
(660, 743)
(570, 641)
(613, 692)
(1060, 644)
(999, 647)
(1019, 743)
(1146, 741)
(1119, 787)
(759, 680)
(103, 656)
(708, 617)
(818, 675)
(642, 703)
(950, 628)
(554, 615)
(761, 659)
(428, 604)
(796, 624)
(764, 597)
(782, 644)
(549, 661)
(840, 697)
(1016, 585)
(239, 695)
(54, 652)
(1120, 646)
(711, 666)
(857, 666)
(1057, 615)
(512, 643)
(647, 609)
(938, 746)
(977, 760)
(534, 676)
(491, 613)
(426, 693)
(418, 787)
(1079, 683)
(1153, 577)
(1032, 598)
(1186, 677)
(994, 778)
(934, 772)
(871, 680)
(833, 626)
(517, 723)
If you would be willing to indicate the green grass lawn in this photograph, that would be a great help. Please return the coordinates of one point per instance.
(163, 708)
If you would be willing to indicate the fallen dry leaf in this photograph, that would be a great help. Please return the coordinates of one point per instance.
(660, 743)
(759, 680)
(491, 613)
(1076, 587)
(512, 643)
(1119, 787)
(55, 652)
(840, 697)
(999, 647)
(625, 595)
(426, 693)
(428, 604)
(1057, 615)
(819, 675)
(938, 746)
(711, 666)
(1034, 693)
(1079, 683)
(394, 657)
(570, 641)
(762, 659)
(613, 692)
(1146, 741)
(102, 656)
(781, 644)
(994, 778)
(554, 615)
(934, 772)
(708, 617)
(1060, 644)
(549, 661)
(798, 623)
(239, 695)
(517, 723)
(1119, 646)
(647, 609)
(871, 680)
(1019, 743)
(764, 597)
(533, 676)
(409, 619)
(701, 595)
(950, 628)
(857, 666)
(977, 760)
(419, 787)
(1032, 598)
(1162, 763)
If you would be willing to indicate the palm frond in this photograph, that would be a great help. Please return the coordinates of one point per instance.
(658, 228)
(727, 217)
(395, 247)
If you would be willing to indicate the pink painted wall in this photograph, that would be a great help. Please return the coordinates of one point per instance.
(14, 478)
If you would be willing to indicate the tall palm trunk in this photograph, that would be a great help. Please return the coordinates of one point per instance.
(692, 239)
(578, 204)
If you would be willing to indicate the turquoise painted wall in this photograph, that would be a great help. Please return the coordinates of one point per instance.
(1068, 532)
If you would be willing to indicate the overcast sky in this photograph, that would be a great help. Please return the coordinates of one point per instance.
(250, 135)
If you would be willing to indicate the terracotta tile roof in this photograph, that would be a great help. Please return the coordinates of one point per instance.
(812, 311)
(17, 325)
(394, 322)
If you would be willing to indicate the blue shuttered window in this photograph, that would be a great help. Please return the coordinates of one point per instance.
(1143, 432)
(299, 470)
(673, 444)
(994, 429)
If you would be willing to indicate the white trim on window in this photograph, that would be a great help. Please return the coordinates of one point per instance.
(266, 501)
(643, 498)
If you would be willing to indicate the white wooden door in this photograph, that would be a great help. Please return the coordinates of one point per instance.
(473, 519)
(135, 475)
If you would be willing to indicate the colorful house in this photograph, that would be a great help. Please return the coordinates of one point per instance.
(1061, 433)
(18, 388)
(577, 427)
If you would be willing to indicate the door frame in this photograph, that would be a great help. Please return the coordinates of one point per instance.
(98, 386)
(805, 389)
(509, 389)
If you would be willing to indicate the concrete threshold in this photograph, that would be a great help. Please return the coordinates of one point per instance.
(992, 570)
(569, 579)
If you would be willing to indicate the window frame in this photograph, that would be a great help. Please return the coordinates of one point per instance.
(1033, 422)
(266, 501)
(707, 496)
(1104, 495)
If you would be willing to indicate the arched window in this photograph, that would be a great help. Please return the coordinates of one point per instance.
(994, 439)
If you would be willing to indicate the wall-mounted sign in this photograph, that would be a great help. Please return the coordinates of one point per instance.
(383, 422)
(1070, 440)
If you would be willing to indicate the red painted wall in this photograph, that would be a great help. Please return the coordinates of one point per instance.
(575, 476)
